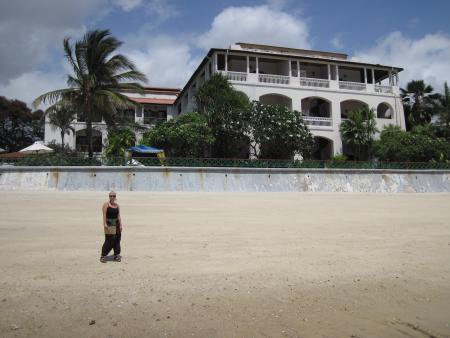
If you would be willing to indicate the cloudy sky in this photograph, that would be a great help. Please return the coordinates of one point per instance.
(168, 38)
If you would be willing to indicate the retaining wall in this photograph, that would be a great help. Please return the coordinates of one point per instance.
(223, 179)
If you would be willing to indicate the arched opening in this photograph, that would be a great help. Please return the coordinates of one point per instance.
(384, 111)
(350, 105)
(81, 141)
(316, 107)
(276, 100)
(323, 149)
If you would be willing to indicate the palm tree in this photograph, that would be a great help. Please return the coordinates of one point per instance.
(418, 98)
(358, 130)
(97, 78)
(62, 115)
(442, 107)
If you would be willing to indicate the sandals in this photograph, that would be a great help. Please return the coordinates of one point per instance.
(117, 258)
(103, 259)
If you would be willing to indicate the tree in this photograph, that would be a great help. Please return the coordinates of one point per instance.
(185, 136)
(119, 140)
(226, 111)
(19, 126)
(418, 101)
(62, 115)
(442, 109)
(278, 132)
(97, 79)
(359, 129)
(418, 145)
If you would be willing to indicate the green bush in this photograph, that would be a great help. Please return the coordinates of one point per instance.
(418, 145)
(185, 136)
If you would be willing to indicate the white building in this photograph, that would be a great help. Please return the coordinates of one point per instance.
(324, 86)
(154, 105)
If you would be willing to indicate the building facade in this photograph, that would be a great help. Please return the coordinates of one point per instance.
(324, 86)
(154, 105)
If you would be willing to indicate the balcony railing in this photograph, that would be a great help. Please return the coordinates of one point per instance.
(154, 120)
(318, 121)
(275, 79)
(236, 76)
(383, 89)
(311, 82)
(352, 85)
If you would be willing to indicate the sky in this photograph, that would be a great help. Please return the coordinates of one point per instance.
(167, 39)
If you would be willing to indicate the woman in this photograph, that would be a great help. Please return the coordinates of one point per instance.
(112, 224)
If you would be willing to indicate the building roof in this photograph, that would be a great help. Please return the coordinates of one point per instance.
(152, 100)
(156, 90)
(286, 50)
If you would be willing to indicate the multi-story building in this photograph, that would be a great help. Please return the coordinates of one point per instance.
(324, 86)
(154, 105)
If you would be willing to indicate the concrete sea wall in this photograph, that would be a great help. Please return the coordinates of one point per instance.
(223, 179)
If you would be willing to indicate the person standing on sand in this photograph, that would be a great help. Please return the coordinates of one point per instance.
(112, 225)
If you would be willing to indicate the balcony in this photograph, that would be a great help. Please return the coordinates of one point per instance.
(383, 89)
(318, 121)
(274, 79)
(352, 85)
(312, 82)
(154, 120)
(235, 76)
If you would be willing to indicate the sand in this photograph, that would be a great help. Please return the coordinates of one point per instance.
(226, 265)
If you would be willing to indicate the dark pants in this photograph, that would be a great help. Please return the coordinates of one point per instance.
(111, 242)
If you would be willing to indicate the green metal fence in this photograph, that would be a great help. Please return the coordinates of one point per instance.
(58, 160)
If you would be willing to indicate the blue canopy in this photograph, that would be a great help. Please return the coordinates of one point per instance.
(145, 149)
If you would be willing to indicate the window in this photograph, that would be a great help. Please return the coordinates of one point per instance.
(154, 114)
(294, 70)
(220, 61)
(252, 64)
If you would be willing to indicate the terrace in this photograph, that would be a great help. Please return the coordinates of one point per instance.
(321, 74)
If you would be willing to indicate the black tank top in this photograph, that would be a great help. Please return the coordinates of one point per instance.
(112, 213)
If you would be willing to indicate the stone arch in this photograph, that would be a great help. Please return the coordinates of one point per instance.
(349, 105)
(81, 141)
(323, 148)
(316, 106)
(276, 99)
(385, 111)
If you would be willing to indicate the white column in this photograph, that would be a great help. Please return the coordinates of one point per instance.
(248, 65)
(373, 76)
(365, 75)
(226, 62)
(329, 72)
(257, 65)
(289, 68)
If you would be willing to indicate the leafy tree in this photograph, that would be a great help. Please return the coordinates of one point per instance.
(418, 145)
(359, 130)
(418, 103)
(278, 132)
(442, 109)
(62, 115)
(185, 136)
(118, 141)
(97, 78)
(226, 111)
(19, 127)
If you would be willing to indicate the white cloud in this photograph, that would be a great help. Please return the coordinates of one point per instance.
(337, 41)
(426, 58)
(259, 24)
(166, 61)
(29, 86)
(127, 5)
(29, 30)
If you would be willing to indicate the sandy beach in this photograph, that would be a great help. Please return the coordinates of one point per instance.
(226, 265)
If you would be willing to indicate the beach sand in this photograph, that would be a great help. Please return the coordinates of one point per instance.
(226, 265)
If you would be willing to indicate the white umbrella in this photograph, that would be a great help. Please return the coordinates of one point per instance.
(37, 147)
(2, 150)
